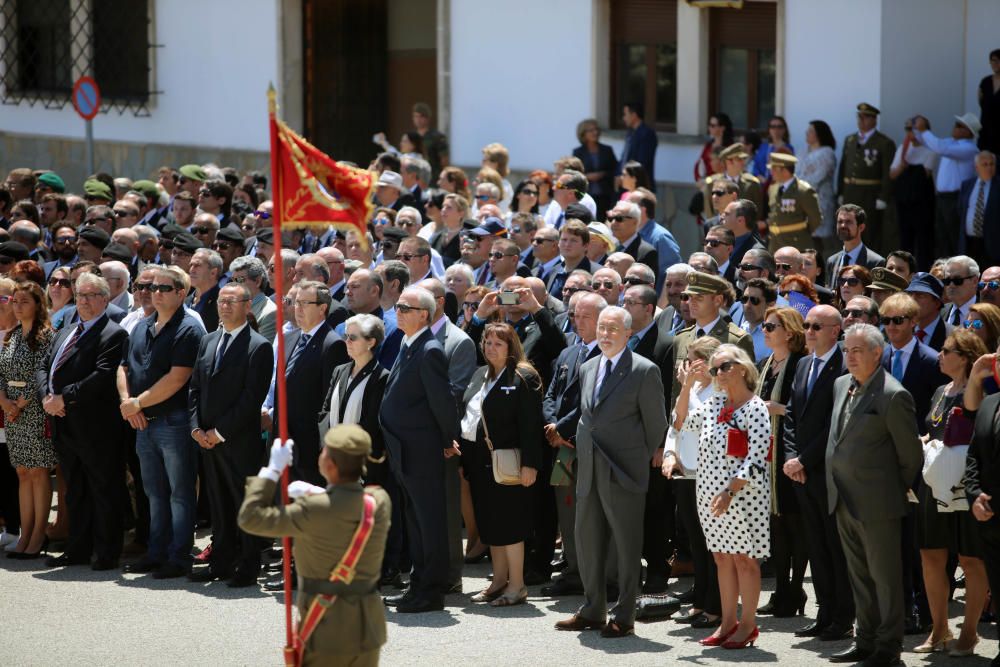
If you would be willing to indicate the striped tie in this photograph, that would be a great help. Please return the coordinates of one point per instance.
(70, 347)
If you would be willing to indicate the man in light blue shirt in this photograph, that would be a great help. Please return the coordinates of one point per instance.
(668, 252)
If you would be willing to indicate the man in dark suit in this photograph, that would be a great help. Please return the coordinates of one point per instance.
(640, 140)
(624, 222)
(226, 425)
(873, 455)
(651, 342)
(561, 408)
(807, 428)
(418, 428)
(850, 227)
(979, 212)
(205, 270)
(928, 292)
(78, 381)
(740, 217)
(622, 424)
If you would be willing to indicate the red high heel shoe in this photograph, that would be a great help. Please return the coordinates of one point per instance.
(749, 641)
(718, 640)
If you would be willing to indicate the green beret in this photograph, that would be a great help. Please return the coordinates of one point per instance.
(147, 188)
(883, 278)
(52, 180)
(350, 439)
(193, 172)
(95, 188)
(705, 283)
(733, 151)
(867, 109)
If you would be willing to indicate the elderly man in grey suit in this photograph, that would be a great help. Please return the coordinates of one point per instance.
(622, 423)
(461, 354)
(873, 454)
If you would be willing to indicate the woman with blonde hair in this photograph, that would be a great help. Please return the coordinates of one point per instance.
(497, 157)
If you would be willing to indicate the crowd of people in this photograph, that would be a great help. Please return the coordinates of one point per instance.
(540, 372)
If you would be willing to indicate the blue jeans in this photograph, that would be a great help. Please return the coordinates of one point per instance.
(168, 458)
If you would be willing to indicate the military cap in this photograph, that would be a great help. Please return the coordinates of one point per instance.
(782, 160)
(868, 110)
(394, 234)
(118, 252)
(926, 283)
(170, 230)
(265, 235)
(52, 180)
(733, 151)
(95, 188)
(14, 251)
(193, 172)
(705, 283)
(231, 234)
(883, 278)
(186, 242)
(95, 236)
(349, 439)
(147, 188)
(579, 212)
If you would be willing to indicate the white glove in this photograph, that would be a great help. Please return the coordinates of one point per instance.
(300, 488)
(281, 456)
(880, 205)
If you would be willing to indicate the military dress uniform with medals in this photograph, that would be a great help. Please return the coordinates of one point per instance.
(793, 213)
(863, 179)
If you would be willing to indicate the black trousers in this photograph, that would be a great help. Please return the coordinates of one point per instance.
(427, 532)
(10, 507)
(658, 524)
(226, 468)
(141, 514)
(826, 554)
(541, 546)
(94, 471)
(790, 556)
(706, 577)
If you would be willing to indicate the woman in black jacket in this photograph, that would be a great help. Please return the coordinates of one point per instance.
(599, 164)
(503, 404)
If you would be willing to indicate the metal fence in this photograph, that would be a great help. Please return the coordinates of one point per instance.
(45, 45)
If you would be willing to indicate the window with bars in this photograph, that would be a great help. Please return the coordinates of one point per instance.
(644, 60)
(45, 45)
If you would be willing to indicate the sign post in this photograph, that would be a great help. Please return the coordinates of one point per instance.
(87, 102)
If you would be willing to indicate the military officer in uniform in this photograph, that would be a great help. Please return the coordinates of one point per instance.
(863, 179)
(734, 159)
(706, 297)
(323, 523)
(794, 207)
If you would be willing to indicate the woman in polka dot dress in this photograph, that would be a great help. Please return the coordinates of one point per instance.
(734, 492)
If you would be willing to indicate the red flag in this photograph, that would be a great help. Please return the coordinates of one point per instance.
(312, 189)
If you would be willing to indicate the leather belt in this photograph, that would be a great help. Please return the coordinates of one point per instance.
(862, 181)
(339, 588)
(787, 229)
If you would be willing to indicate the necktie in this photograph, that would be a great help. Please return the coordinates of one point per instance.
(920, 334)
(482, 275)
(977, 216)
(620, 248)
(560, 220)
(633, 341)
(699, 333)
(400, 356)
(813, 374)
(897, 365)
(223, 346)
(68, 350)
(956, 315)
(303, 341)
(607, 372)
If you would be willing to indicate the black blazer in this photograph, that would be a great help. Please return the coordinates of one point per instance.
(541, 339)
(371, 400)
(561, 405)
(750, 242)
(644, 253)
(867, 258)
(807, 418)
(922, 377)
(606, 162)
(87, 383)
(450, 251)
(228, 399)
(338, 313)
(416, 422)
(991, 217)
(513, 413)
(114, 313)
(657, 345)
(206, 308)
(982, 463)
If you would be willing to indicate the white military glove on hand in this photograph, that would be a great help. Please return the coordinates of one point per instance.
(300, 488)
(281, 456)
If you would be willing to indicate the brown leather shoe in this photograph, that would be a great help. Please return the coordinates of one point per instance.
(577, 623)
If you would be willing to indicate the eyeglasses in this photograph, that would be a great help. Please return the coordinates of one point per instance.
(5, 299)
(751, 267)
(949, 350)
(303, 302)
(200, 230)
(471, 304)
(783, 266)
(606, 284)
(815, 326)
(248, 226)
(770, 326)
(955, 281)
(96, 219)
(635, 280)
(222, 246)
(538, 241)
(353, 337)
(570, 291)
(141, 287)
(405, 223)
(855, 313)
(685, 297)
(64, 240)
(124, 214)
(714, 243)
(853, 282)
(719, 193)
(775, 126)
(61, 282)
(633, 302)
(263, 215)
(529, 193)
(166, 244)
(755, 300)
(230, 302)
(403, 308)
(87, 296)
(408, 256)
(162, 289)
(380, 221)
(724, 367)
(205, 192)
(993, 285)
(499, 255)
(482, 197)
(618, 218)
(897, 320)
(562, 186)
(973, 324)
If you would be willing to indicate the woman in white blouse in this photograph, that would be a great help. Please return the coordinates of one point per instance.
(818, 168)
(680, 464)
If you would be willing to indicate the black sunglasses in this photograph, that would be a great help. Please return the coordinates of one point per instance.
(853, 282)
(955, 281)
(635, 280)
(606, 284)
(162, 289)
(714, 243)
(724, 367)
(403, 308)
(751, 267)
(755, 300)
(993, 285)
(855, 313)
(200, 230)
(141, 287)
(815, 326)
(61, 282)
(898, 319)
(769, 326)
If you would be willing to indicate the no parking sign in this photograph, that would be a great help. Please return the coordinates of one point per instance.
(86, 97)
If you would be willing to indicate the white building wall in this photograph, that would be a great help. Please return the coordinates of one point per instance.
(982, 19)
(214, 81)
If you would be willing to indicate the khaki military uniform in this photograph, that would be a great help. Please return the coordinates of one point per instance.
(723, 331)
(862, 178)
(353, 629)
(749, 185)
(793, 216)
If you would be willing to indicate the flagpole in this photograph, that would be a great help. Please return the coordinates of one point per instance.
(279, 378)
